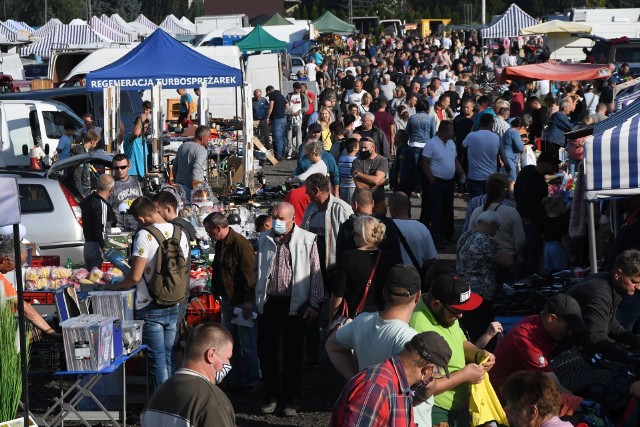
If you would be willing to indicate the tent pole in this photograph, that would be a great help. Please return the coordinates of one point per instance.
(591, 224)
(615, 222)
(21, 322)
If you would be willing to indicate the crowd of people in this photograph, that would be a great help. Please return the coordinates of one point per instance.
(410, 334)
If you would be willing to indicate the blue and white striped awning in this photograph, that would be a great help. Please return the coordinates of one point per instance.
(626, 93)
(18, 25)
(7, 33)
(104, 30)
(48, 27)
(612, 156)
(172, 25)
(509, 24)
(120, 22)
(64, 36)
(141, 19)
(130, 36)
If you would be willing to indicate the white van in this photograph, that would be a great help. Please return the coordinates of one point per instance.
(24, 122)
(94, 61)
(10, 64)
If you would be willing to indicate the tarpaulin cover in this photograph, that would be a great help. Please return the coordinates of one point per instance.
(556, 26)
(162, 60)
(556, 71)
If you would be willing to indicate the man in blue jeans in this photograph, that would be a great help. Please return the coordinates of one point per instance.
(276, 118)
(159, 330)
(234, 279)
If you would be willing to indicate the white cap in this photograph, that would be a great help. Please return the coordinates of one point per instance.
(7, 230)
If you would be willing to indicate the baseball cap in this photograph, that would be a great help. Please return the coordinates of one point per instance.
(432, 347)
(548, 158)
(403, 276)
(566, 307)
(315, 127)
(451, 289)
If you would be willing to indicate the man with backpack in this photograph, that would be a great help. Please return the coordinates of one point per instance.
(159, 272)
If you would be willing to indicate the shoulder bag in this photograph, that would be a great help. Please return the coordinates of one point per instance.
(342, 318)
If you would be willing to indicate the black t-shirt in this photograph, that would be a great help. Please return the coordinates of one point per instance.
(347, 82)
(461, 128)
(529, 191)
(352, 274)
(279, 102)
(455, 99)
(554, 228)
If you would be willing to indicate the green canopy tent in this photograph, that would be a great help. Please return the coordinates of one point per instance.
(277, 19)
(259, 40)
(330, 23)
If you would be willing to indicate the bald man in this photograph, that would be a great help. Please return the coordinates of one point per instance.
(97, 216)
(285, 299)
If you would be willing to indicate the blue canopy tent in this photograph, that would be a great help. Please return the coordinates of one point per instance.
(612, 163)
(162, 60)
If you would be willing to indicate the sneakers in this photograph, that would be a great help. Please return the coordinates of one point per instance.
(269, 408)
(289, 411)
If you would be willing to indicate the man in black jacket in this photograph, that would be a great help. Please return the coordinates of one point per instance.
(97, 214)
(599, 296)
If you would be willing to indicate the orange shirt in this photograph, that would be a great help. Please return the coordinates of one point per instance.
(9, 291)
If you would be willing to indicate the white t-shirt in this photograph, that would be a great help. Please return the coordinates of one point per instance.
(419, 239)
(295, 103)
(146, 246)
(443, 157)
(355, 98)
(311, 71)
(591, 102)
(446, 43)
(543, 87)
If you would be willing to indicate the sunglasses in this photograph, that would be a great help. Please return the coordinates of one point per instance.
(121, 167)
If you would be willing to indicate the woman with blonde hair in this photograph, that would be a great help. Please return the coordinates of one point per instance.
(398, 99)
(357, 267)
(365, 105)
(324, 120)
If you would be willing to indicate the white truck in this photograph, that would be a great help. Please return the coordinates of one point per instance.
(206, 24)
(22, 123)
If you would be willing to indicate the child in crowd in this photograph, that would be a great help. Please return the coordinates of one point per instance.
(263, 223)
(555, 229)
(347, 185)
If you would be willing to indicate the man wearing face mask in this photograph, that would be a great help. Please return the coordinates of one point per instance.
(370, 171)
(367, 398)
(191, 396)
(286, 299)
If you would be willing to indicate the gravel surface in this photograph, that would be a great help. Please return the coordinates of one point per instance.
(321, 385)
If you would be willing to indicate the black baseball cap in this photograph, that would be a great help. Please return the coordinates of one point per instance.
(403, 276)
(548, 158)
(566, 307)
(433, 348)
(452, 290)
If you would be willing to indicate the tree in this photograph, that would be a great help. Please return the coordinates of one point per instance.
(303, 13)
(66, 10)
(314, 13)
(196, 9)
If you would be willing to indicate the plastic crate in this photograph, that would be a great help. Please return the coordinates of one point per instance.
(39, 297)
(46, 357)
(202, 309)
(45, 261)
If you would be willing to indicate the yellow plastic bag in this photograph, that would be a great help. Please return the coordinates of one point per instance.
(484, 405)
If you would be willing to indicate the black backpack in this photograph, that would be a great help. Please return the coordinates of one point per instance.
(168, 285)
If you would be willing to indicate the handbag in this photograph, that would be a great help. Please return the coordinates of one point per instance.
(343, 318)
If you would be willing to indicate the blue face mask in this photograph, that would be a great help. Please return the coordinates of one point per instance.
(279, 226)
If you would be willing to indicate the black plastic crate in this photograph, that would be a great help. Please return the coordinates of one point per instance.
(46, 357)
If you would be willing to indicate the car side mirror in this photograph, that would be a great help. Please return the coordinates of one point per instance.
(46, 149)
(25, 150)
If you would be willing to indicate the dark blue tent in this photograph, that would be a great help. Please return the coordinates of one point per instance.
(162, 60)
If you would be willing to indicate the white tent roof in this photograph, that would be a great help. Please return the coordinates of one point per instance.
(78, 21)
(18, 25)
(556, 26)
(121, 22)
(8, 33)
(172, 25)
(140, 28)
(46, 28)
(130, 35)
(188, 24)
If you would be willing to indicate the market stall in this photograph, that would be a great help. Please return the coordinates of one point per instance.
(258, 40)
(612, 159)
(556, 71)
(147, 67)
(558, 37)
(329, 23)
(509, 24)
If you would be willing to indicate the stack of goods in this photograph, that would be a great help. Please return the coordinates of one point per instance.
(96, 276)
(88, 342)
(118, 304)
(46, 278)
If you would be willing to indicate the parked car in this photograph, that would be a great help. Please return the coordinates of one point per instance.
(297, 65)
(50, 206)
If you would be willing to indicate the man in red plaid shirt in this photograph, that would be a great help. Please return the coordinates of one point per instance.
(382, 395)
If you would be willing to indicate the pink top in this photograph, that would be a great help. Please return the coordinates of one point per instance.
(556, 422)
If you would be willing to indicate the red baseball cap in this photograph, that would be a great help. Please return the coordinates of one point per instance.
(452, 290)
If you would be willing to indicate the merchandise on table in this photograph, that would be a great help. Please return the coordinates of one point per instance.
(118, 304)
(88, 342)
(131, 335)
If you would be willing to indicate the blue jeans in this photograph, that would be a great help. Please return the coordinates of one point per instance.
(187, 192)
(278, 129)
(159, 334)
(245, 362)
(476, 188)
